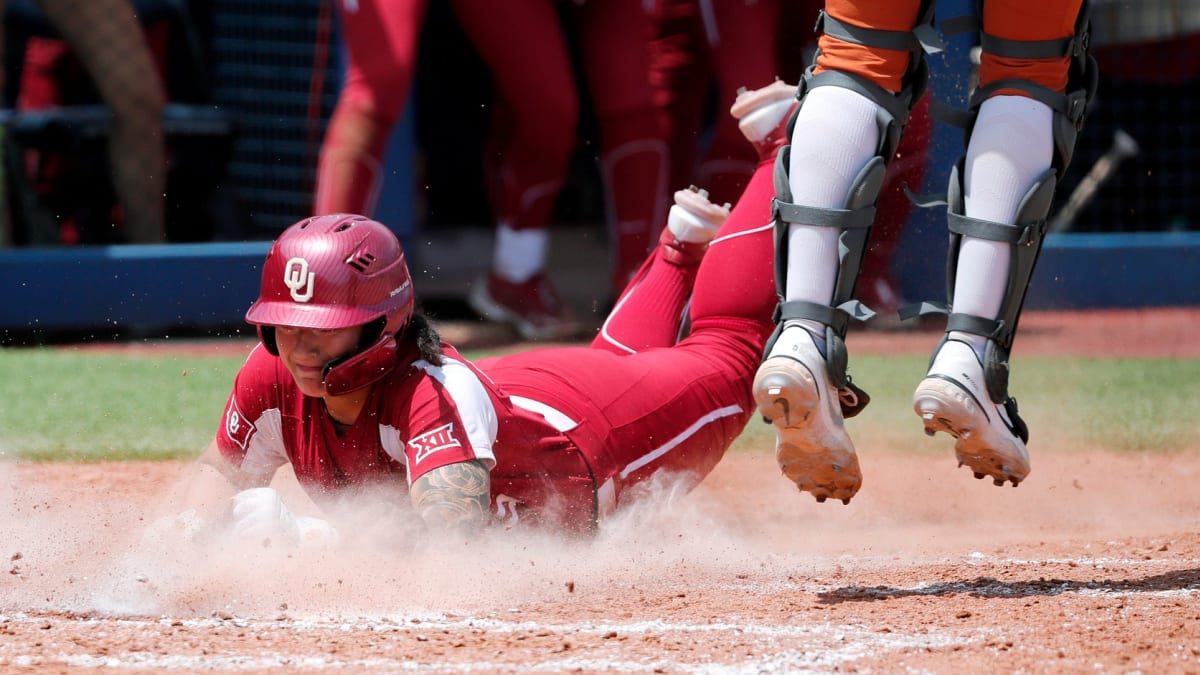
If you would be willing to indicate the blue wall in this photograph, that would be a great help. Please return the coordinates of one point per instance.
(203, 285)
(176, 285)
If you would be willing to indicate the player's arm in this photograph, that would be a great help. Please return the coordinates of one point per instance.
(202, 502)
(454, 498)
(215, 480)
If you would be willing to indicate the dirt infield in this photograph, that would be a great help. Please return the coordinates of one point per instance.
(1092, 565)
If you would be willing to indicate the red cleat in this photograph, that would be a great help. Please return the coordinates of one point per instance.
(532, 307)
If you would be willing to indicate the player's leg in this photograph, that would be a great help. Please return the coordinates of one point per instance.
(634, 161)
(853, 106)
(533, 134)
(665, 280)
(679, 70)
(381, 37)
(671, 411)
(683, 407)
(651, 310)
(109, 41)
(1035, 78)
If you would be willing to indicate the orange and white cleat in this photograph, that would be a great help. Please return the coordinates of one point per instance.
(953, 398)
(793, 391)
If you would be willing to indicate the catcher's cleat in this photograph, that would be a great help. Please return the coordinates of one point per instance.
(793, 391)
(532, 307)
(763, 115)
(691, 224)
(953, 398)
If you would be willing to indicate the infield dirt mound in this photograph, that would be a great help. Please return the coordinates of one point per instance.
(1093, 564)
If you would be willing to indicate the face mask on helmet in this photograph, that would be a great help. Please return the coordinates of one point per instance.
(332, 272)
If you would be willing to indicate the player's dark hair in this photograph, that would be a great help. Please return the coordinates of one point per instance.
(425, 338)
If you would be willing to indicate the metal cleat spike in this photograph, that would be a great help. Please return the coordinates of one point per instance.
(979, 476)
(821, 500)
(998, 482)
(846, 501)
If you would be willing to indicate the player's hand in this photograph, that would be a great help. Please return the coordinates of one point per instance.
(259, 513)
(168, 531)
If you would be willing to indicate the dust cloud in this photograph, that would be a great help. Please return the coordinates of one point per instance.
(75, 539)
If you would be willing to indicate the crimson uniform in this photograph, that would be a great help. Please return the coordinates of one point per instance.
(565, 431)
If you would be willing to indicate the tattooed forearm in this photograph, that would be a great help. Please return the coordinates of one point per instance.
(454, 497)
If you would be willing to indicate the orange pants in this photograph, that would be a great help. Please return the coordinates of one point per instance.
(1009, 19)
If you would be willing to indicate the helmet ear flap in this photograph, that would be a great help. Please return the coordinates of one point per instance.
(267, 335)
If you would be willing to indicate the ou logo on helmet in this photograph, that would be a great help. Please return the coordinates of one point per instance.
(298, 279)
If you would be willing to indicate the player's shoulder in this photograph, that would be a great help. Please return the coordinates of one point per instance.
(262, 372)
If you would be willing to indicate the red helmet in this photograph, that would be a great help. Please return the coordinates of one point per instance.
(338, 271)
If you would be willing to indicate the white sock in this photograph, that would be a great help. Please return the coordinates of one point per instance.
(834, 137)
(519, 254)
(998, 173)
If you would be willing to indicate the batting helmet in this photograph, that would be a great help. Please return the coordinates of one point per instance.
(338, 271)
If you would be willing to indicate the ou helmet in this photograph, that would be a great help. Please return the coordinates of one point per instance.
(338, 271)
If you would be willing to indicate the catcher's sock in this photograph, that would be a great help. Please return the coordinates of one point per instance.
(836, 134)
(997, 175)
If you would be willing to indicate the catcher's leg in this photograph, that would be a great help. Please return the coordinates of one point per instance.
(828, 180)
(998, 200)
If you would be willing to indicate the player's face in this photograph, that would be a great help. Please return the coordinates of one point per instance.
(306, 351)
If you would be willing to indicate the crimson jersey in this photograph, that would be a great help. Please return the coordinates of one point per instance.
(565, 431)
(418, 418)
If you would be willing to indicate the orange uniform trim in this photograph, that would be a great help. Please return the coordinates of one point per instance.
(1009, 19)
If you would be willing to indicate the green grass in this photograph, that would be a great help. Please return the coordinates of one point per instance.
(1070, 404)
(89, 405)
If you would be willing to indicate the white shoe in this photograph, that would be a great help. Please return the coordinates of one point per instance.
(763, 114)
(692, 223)
(793, 391)
(953, 398)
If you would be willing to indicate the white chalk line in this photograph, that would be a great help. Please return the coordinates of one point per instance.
(827, 645)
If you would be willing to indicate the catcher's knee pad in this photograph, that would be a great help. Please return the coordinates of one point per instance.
(1069, 106)
(919, 40)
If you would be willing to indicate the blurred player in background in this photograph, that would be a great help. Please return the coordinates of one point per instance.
(535, 130)
(1035, 81)
(108, 40)
(533, 135)
(381, 39)
(353, 389)
(702, 51)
